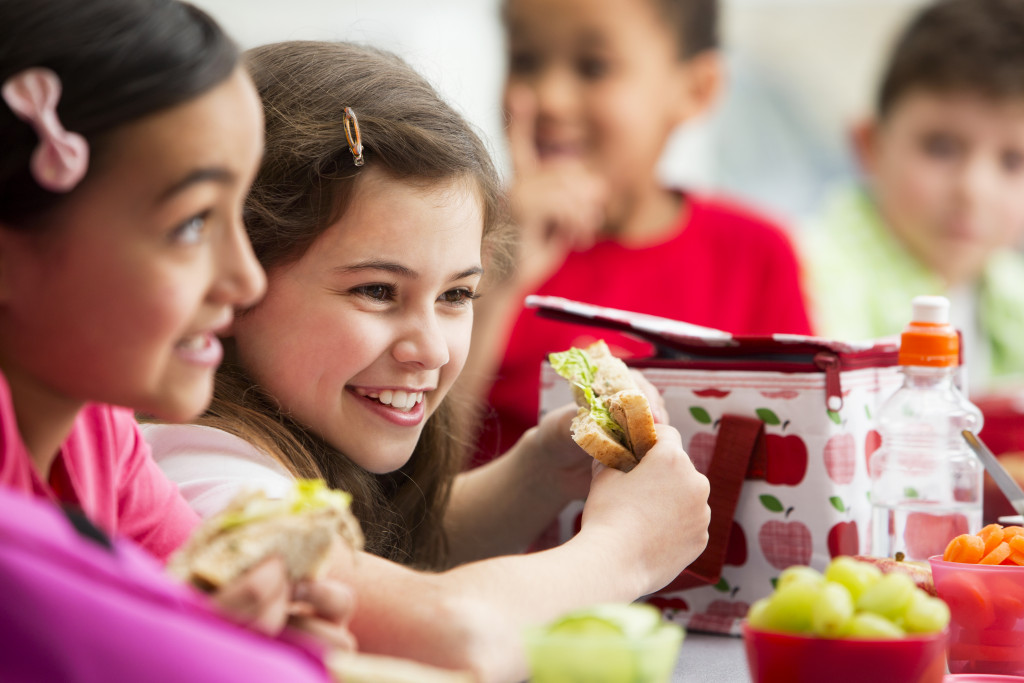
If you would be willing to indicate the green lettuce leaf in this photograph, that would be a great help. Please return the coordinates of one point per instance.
(575, 365)
(306, 496)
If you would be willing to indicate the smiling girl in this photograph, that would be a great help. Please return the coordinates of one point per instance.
(122, 256)
(372, 213)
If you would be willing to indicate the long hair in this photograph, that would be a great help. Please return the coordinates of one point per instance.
(305, 183)
(118, 60)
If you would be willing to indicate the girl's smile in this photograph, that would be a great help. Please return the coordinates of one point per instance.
(403, 407)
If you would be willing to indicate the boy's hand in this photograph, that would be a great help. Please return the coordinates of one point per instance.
(558, 204)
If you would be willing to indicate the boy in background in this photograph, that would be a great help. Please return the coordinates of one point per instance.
(594, 89)
(942, 204)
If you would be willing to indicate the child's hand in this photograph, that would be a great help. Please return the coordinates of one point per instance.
(568, 465)
(565, 464)
(557, 204)
(264, 600)
(654, 517)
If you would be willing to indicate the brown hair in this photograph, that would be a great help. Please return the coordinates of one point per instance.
(305, 183)
(958, 45)
(694, 23)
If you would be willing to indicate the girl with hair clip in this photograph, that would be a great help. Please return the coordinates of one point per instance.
(373, 213)
(130, 135)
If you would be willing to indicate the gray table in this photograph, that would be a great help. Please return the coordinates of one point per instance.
(708, 658)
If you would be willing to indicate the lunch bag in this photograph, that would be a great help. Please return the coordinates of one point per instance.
(782, 426)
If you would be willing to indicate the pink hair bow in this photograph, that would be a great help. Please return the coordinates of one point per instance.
(61, 159)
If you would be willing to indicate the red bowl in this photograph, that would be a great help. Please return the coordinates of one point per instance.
(775, 657)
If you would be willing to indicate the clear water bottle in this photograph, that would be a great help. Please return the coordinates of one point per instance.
(926, 485)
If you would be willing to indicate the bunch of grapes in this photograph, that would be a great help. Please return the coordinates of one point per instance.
(852, 599)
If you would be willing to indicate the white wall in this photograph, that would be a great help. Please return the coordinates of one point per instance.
(801, 71)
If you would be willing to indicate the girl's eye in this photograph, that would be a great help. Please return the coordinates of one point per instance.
(458, 296)
(376, 292)
(191, 231)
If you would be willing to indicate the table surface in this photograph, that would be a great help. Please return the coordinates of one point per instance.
(709, 658)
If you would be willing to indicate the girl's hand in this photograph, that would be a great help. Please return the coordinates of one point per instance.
(564, 464)
(569, 467)
(323, 609)
(258, 599)
(263, 600)
(655, 518)
(558, 205)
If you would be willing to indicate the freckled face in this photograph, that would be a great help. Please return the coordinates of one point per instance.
(362, 337)
(117, 300)
(948, 172)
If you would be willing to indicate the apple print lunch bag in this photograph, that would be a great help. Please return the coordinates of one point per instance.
(782, 426)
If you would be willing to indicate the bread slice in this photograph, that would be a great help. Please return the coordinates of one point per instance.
(632, 411)
(599, 443)
(254, 527)
(612, 374)
(614, 423)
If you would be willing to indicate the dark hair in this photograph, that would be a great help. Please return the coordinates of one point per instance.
(958, 45)
(694, 23)
(117, 60)
(304, 185)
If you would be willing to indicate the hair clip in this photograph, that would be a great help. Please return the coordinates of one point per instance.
(355, 144)
(61, 159)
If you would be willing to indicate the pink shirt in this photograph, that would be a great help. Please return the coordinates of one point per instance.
(105, 467)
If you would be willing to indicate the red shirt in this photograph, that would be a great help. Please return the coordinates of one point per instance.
(724, 267)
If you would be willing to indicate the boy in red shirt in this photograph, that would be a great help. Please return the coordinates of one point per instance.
(594, 89)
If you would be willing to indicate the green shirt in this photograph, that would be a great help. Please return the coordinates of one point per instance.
(861, 279)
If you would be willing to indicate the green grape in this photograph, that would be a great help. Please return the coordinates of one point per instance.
(889, 596)
(925, 614)
(798, 572)
(833, 610)
(756, 613)
(853, 574)
(870, 625)
(789, 608)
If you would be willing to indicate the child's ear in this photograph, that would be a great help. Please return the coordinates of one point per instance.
(863, 138)
(700, 82)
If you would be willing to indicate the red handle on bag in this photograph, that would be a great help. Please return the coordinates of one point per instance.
(739, 453)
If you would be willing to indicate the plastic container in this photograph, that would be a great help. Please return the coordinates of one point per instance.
(926, 485)
(775, 657)
(609, 644)
(986, 604)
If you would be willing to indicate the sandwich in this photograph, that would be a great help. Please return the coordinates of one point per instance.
(301, 528)
(614, 423)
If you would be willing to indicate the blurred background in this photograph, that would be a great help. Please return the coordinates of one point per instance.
(799, 72)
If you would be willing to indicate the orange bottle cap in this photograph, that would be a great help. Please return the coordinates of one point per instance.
(929, 339)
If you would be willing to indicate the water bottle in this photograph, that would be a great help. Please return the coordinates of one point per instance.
(926, 485)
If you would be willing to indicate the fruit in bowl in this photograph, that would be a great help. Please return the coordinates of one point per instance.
(853, 621)
(606, 643)
(981, 578)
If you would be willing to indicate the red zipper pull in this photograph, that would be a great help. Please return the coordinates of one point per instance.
(829, 362)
